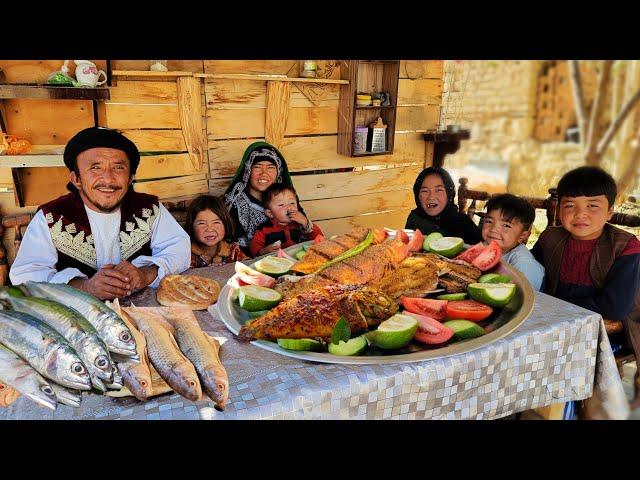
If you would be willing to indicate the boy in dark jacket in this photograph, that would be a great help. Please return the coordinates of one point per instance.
(286, 226)
(589, 262)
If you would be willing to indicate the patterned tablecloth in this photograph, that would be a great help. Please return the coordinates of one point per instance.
(560, 353)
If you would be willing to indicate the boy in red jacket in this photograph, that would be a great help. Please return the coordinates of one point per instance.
(286, 226)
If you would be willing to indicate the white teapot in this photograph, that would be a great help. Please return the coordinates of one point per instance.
(88, 74)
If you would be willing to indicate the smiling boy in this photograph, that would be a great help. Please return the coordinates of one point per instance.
(587, 261)
(508, 221)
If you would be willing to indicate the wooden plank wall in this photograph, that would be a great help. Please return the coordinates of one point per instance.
(301, 119)
(374, 191)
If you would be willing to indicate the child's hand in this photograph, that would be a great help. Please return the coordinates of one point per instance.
(299, 217)
(274, 247)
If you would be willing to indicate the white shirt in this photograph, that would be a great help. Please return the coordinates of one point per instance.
(37, 256)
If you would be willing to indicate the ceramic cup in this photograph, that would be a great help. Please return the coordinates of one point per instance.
(88, 75)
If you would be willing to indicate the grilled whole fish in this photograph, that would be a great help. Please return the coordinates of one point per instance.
(19, 375)
(112, 329)
(326, 250)
(82, 336)
(416, 276)
(459, 274)
(135, 375)
(202, 351)
(44, 349)
(368, 267)
(67, 396)
(165, 355)
(314, 313)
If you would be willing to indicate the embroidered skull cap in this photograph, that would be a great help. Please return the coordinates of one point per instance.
(95, 137)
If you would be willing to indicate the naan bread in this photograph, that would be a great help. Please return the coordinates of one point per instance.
(196, 293)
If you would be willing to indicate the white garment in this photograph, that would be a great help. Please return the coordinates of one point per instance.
(37, 256)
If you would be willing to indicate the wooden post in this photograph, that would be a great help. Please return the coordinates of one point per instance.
(189, 106)
(552, 207)
(278, 97)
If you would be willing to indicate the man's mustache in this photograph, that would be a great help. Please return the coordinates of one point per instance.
(113, 187)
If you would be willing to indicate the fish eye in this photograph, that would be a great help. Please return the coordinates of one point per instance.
(77, 368)
(125, 336)
(47, 389)
(102, 361)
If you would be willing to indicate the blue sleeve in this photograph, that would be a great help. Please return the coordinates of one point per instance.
(616, 299)
(531, 269)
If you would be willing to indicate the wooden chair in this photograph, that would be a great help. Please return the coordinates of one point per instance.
(550, 204)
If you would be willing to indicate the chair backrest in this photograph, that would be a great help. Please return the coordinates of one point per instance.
(550, 204)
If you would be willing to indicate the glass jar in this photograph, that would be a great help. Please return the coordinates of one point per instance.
(308, 68)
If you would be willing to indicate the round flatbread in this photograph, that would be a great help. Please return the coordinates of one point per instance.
(196, 293)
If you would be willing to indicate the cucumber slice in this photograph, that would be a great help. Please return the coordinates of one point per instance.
(429, 238)
(273, 266)
(394, 332)
(299, 344)
(494, 278)
(494, 294)
(253, 298)
(447, 246)
(300, 253)
(355, 346)
(464, 329)
(452, 296)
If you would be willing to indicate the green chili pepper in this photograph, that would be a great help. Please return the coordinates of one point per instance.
(349, 253)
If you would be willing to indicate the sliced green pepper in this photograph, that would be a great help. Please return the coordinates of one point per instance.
(349, 253)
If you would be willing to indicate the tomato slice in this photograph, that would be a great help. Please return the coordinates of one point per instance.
(402, 235)
(431, 331)
(318, 239)
(425, 306)
(468, 310)
(415, 244)
(471, 253)
(489, 257)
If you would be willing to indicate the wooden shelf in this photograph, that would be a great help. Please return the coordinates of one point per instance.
(8, 91)
(150, 73)
(370, 154)
(447, 136)
(270, 78)
(371, 107)
(21, 161)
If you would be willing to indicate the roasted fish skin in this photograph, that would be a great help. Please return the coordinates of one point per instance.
(367, 267)
(44, 349)
(80, 334)
(329, 249)
(165, 355)
(416, 276)
(202, 351)
(314, 313)
(109, 325)
(67, 396)
(19, 375)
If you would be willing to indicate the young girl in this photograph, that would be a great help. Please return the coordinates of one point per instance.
(435, 211)
(210, 227)
(262, 165)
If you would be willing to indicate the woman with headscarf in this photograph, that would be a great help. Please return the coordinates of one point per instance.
(262, 165)
(434, 192)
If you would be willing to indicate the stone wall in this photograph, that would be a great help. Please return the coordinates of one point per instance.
(496, 101)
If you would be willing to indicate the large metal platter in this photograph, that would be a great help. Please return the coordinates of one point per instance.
(500, 324)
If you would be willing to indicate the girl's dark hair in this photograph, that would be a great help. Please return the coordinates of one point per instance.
(512, 207)
(276, 189)
(217, 206)
(588, 182)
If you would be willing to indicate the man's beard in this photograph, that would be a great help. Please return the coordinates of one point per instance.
(104, 208)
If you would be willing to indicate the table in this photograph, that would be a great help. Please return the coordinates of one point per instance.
(560, 353)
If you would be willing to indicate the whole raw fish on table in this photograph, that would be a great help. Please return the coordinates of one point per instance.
(82, 336)
(67, 396)
(19, 375)
(164, 353)
(202, 350)
(109, 325)
(314, 313)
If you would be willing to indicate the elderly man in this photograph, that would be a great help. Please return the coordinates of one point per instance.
(103, 237)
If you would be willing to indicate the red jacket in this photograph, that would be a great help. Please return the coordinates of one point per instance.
(289, 235)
